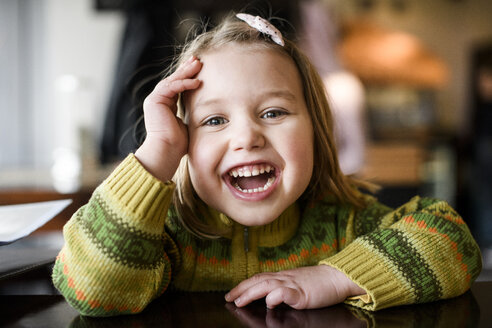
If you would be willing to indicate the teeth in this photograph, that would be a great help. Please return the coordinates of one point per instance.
(267, 185)
(250, 171)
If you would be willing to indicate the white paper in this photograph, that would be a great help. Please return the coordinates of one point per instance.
(17, 221)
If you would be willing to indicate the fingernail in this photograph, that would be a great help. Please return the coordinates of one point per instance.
(190, 59)
(228, 297)
(237, 301)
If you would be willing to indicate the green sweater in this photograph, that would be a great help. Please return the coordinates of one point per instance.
(125, 248)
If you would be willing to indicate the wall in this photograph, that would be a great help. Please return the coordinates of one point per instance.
(49, 39)
(82, 44)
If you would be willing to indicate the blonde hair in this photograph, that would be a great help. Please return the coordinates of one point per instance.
(327, 175)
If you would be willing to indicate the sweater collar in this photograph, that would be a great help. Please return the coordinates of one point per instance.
(273, 234)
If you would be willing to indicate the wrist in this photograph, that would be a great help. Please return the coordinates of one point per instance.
(345, 285)
(159, 159)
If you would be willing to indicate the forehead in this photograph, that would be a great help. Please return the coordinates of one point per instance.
(236, 56)
(236, 71)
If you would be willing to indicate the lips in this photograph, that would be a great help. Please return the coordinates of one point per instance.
(252, 181)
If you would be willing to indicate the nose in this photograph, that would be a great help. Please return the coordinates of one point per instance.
(247, 136)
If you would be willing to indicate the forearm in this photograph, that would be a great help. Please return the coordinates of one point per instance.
(426, 254)
(113, 260)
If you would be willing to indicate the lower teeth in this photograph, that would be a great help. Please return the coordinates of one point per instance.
(260, 189)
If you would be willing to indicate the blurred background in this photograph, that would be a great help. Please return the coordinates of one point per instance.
(410, 83)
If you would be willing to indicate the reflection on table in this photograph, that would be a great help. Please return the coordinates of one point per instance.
(210, 310)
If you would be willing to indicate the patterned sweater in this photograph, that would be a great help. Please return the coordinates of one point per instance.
(125, 248)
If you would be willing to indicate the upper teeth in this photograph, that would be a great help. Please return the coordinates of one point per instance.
(250, 171)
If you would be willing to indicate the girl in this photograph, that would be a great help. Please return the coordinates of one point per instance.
(258, 205)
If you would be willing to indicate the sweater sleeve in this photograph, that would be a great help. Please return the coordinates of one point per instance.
(116, 257)
(420, 252)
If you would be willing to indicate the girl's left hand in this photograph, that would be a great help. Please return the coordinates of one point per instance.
(303, 288)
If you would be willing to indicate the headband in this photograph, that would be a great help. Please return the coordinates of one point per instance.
(263, 26)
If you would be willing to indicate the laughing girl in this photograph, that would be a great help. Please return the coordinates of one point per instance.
(237, 188)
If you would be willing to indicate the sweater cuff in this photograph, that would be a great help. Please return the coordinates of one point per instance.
(368, 271)
(137, 192)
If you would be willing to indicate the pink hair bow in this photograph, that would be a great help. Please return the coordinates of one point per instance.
(263, 26)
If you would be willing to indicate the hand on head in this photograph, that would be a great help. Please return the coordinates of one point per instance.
(167, 137)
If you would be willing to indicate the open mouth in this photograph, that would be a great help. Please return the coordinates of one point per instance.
(252, 178)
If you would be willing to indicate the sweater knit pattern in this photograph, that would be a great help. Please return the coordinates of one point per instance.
(125, 248)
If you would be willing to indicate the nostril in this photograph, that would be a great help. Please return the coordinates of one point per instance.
(248, 140)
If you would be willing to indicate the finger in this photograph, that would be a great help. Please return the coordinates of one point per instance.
(257, 291)
(180, 72)
(245, 285)
(186, 71)
(167, 90)
(166, 94)
(281, 295)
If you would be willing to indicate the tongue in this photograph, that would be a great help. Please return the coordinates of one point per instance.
(252, 182)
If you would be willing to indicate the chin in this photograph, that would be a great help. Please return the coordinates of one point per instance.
(254, 219)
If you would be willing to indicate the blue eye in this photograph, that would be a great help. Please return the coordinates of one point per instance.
(275, 113)
(216, 121)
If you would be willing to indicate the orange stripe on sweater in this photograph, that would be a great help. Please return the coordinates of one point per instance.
(409, 219)
(455, 219)
(293, 258)
(79, 295)
(453, 244)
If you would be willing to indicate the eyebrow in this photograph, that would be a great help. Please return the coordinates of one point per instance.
(266, 95)
(280, 94)
(208, 102)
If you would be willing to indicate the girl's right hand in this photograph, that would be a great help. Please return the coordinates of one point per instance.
(167, 137)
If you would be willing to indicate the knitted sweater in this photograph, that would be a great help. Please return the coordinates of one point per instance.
(125, 248)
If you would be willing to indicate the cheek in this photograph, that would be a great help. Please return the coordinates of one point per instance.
(204, 157)
(198, 179)
(303, 155)
(300, 153)
(199, 150)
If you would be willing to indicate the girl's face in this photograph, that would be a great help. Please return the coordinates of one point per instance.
(250, 134)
